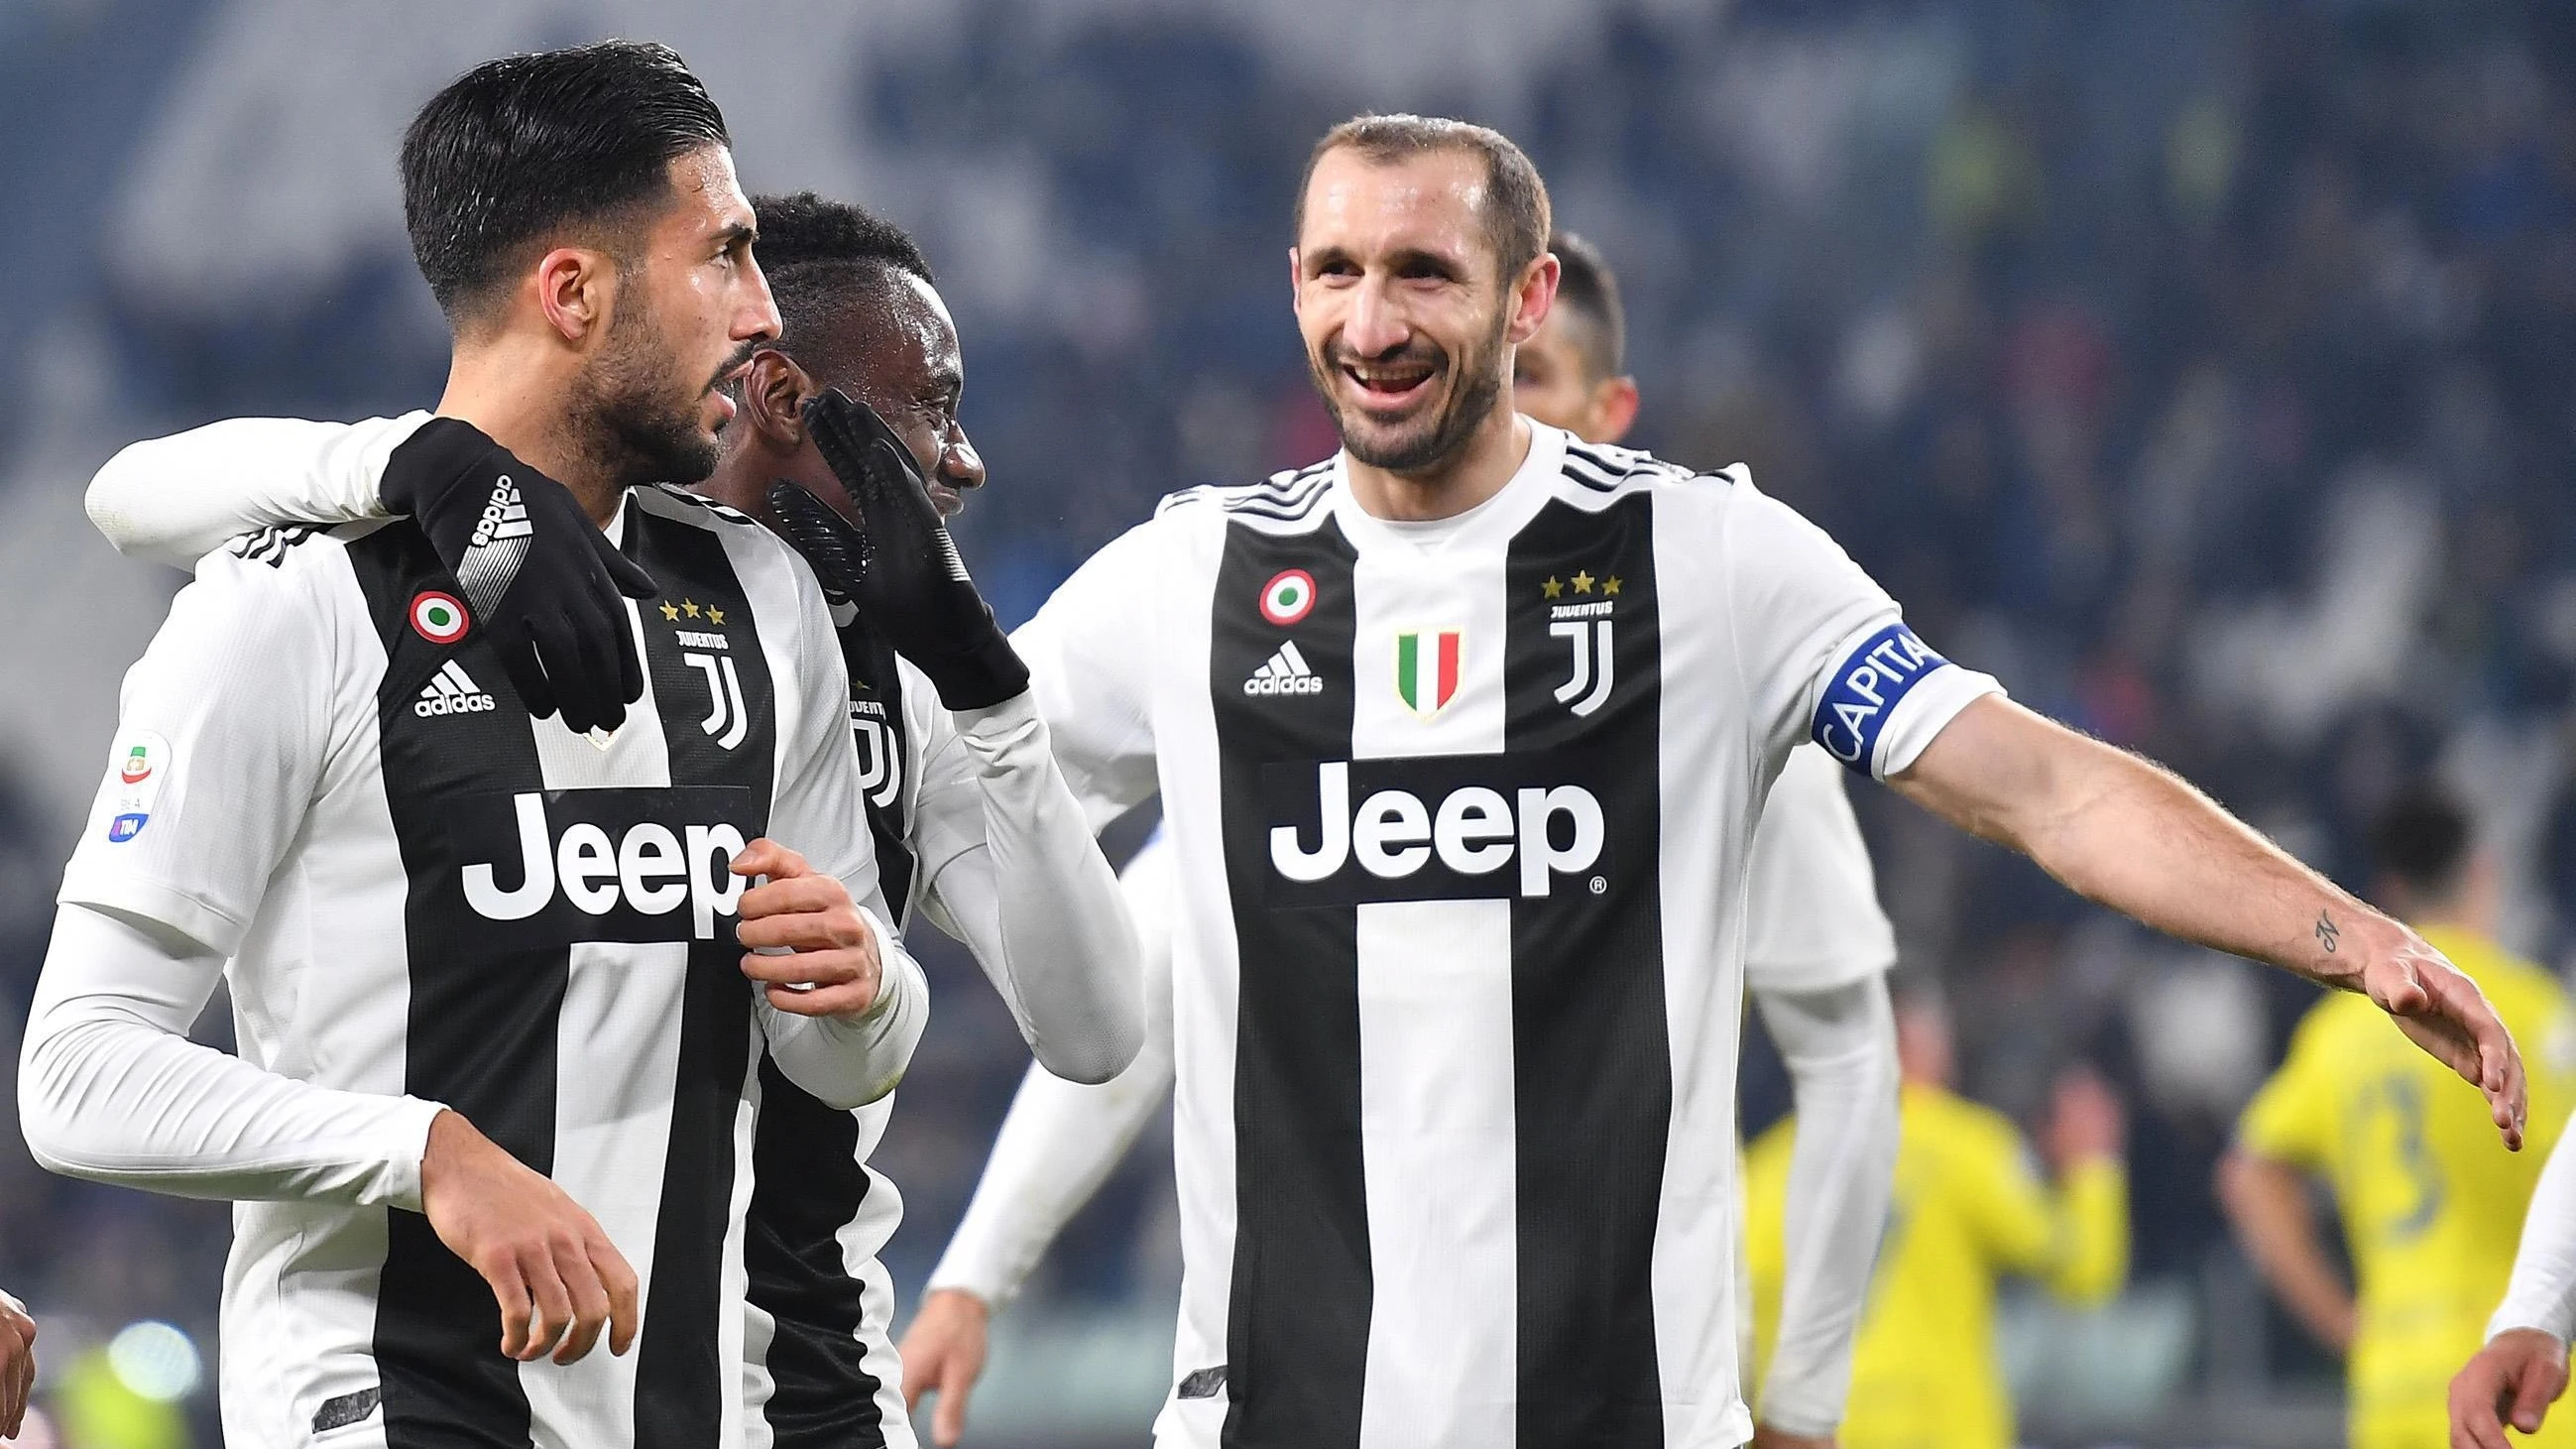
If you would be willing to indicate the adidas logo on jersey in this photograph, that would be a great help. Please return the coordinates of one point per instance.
(451, 691)
(504, 515)
(1285, 673)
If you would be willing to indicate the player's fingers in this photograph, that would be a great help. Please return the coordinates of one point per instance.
(510, 1290)
(767, 857)
(2473, 1411)
(920, 1360)
(589, 1300)
(625, 1293)
(850, 998)
(559, 650)
(606, 648)
(527, 676)
(824, 966)
(552, 1300)
(792, 895)
(2531, 1398)
(836, 929)
(956, 1383)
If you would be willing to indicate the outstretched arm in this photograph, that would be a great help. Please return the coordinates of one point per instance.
(2125, 834)
(173, 500)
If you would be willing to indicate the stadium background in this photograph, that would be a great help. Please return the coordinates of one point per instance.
(2203, 369)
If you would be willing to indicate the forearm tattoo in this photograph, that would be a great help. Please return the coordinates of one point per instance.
(2328, 932)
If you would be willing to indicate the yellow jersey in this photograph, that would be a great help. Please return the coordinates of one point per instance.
(2430, 1200)
(1968, 1207)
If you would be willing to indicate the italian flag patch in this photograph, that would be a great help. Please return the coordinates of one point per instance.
(1426, 668)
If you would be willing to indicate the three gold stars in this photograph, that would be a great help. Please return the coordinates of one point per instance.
(1554, 588)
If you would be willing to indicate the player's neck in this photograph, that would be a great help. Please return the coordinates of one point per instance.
(741, 479)
(518, 401)
(1476, 472)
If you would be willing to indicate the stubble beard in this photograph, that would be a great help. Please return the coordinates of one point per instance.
(1476, 389)
(634, 417)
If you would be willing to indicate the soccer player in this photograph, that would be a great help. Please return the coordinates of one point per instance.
(2429, 1211)
(1968, 1209)
(1817, 949)
(497, 1042)
(1457, 963)
(970, 819)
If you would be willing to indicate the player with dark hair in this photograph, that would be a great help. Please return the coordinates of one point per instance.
(972, 823)
(503, 985)
(1457, 957)
(2429, 1210)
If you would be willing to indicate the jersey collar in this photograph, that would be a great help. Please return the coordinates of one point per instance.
(1491, 523)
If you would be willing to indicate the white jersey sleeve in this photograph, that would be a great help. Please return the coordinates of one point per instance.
(1061, 1139)
(230, 725)
(1011, 869)
(1826, 654)
(172, 500)
(1839, 1042)
(1815, 921)
(2542, 1292)
(817, 810)
(1089, 655)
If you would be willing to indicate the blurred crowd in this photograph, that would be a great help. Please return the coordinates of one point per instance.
(2207, 371)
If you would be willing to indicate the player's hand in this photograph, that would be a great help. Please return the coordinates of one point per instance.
(2085, 1123)
(831, 966)
(888, 551)
(540, 579)
(2441, 1010)
(558, 1278)
(2513, 1380)
(17, 1364)
(943, 1353)
(1766, 1437)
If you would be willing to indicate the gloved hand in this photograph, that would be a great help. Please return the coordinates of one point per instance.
(538, 576)
(897, 564)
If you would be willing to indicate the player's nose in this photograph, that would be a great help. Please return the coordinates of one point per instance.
(1376, 324)
(756, 318)
(960, 466)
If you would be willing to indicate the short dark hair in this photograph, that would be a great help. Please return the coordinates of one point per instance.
(2421, 839)
(1586, 283)
(521, 147)
(1517, 219)
(819, 253)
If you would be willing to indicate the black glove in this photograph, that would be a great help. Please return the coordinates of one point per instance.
(537, 574)
(897, 564)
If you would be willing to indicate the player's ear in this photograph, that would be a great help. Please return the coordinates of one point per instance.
(1614, 408)
(575, 289)
(774, 390)
(1533, 293)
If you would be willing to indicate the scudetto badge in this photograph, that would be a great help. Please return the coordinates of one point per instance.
(438, 617)
(1288, 597)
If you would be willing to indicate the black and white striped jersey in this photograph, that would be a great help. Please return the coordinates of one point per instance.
(975, 830)
(430, 898)
(1457, 966)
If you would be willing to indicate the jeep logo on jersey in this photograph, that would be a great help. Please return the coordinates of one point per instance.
(1431, 828)
(607, 865)
(1865, 690)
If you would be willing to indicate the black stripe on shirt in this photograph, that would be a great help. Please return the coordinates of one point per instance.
(484, 1004)
(1298, 1322)
(682, 1378)
(1590, 1054)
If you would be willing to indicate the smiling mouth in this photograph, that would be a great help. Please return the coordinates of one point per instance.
(1392, 384)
